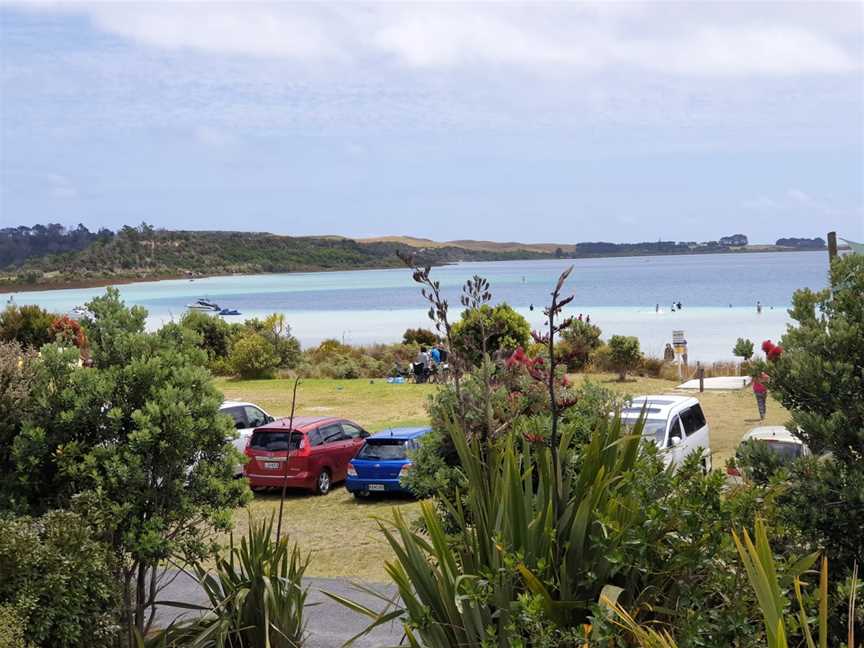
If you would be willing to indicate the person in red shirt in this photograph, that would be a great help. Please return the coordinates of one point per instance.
(760, 390)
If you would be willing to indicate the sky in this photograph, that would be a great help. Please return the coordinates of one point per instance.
(535, 122)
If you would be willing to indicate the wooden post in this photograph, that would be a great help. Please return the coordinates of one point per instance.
(832, 246)
(701, 379)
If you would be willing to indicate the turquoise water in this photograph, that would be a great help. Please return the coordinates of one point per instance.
(620, 294)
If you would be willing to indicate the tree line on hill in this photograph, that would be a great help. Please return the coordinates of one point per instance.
(54, 255)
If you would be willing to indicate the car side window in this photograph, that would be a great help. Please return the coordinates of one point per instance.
(238, 415)
(674, 431)
(255, 416)
(332, 433)
(698, 416)
(352, 431)
(315, 438)
(692, 419)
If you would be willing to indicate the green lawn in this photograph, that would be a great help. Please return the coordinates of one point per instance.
(374, 404)
(342, 533)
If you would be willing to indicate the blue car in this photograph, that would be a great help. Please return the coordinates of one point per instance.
(382, 460)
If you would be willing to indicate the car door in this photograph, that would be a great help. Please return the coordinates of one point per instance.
(356, 435)
(337, 447)
(676, 450)
(696, 430)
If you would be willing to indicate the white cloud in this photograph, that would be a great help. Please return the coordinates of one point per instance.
(60, 186)
(751, 39)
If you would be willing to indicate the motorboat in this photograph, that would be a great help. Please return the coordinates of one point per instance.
(204, 305)
(229, 311)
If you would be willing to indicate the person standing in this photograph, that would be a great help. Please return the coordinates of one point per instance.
(421, 365)
(758, 308)
(760, 391)
(669, 353)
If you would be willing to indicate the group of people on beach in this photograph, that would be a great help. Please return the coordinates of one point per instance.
(429, 362)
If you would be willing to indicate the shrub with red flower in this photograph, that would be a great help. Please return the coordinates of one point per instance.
(772, 351)
(68, 331)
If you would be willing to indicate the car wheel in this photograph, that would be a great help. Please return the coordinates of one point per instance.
(322, 484)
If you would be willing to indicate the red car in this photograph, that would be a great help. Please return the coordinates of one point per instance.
(313, 456)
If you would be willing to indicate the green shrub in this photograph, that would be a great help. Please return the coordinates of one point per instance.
(29, 325)
(58, 577)
(758, 461)
(743, 349)
(495, 328)
(256, 594)
(253, 357)
(624, 354)
(650, 366)
(579, 340)
(216, 334)
(419, 337)
(12, 627)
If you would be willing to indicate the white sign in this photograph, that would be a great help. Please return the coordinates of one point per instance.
(678, 338)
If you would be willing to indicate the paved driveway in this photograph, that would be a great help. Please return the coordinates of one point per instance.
(329, 624)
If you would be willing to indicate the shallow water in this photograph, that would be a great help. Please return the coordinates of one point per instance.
(718, 294)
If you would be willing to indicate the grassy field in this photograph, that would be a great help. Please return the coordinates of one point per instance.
(342, 533)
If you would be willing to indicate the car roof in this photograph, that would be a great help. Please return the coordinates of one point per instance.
(234, 403)
(301, 423)
(404, 433)
(772, 432)
(657, 405)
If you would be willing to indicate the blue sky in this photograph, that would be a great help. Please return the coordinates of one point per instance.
(541, 122)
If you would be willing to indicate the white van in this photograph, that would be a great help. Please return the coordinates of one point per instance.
(246, 417)
(675, 423)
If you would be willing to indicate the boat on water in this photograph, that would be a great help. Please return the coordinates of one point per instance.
(77, 312)
(204, 305)
(230, 311)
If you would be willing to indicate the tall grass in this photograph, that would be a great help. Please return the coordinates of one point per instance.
(256, 596)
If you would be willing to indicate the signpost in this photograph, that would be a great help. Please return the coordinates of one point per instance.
(679, 343)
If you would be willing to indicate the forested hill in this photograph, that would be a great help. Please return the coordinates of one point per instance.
(51, 256)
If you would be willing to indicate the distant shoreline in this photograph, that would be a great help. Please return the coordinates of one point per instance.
(14, 288)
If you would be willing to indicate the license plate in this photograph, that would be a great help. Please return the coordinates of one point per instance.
(271, 465)
(376, 487)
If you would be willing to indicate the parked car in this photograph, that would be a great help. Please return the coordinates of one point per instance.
(313, 455)
(382, 461)
(778, 439)
(247, 417)
(675, 423)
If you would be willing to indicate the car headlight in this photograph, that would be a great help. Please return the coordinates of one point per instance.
(352, 471)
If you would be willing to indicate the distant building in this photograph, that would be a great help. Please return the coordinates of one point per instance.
(736, 240)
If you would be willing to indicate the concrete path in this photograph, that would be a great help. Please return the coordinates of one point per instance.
(719, 382)
(329, 624)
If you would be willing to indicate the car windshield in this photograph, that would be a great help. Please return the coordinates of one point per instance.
(654, 428)
(273, 441)
(784, 449)
(383, 449)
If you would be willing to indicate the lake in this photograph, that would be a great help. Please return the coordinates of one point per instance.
(718, 293)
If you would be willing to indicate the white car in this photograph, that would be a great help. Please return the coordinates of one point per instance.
(780, 440)
(247, 417)
(676, 424)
